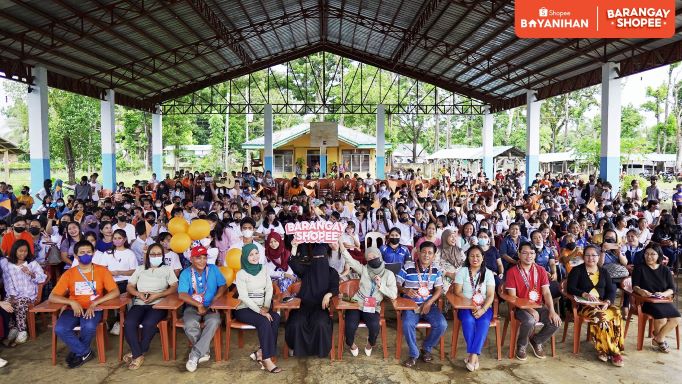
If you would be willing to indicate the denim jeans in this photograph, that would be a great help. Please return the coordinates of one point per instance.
(79, 345)
(438, 327)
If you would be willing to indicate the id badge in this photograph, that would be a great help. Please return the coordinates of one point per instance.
(477, 299)
(534, 296)
(423, 291)
(198, 298)
(369, 305)
(82, 288)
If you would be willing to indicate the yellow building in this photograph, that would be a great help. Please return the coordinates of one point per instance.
(356, 149)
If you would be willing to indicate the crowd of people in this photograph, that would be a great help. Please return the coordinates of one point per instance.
(467, 234)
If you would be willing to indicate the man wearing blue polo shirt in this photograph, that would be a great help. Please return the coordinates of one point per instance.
(423, 283)
(198, 286)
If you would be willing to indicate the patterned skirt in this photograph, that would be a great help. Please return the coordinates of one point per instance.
(606, 328)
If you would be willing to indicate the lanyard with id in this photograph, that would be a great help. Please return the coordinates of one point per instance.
(533, 294)
(477, 296)
(423, 290)
(199, 292)
(369, 303)
(86, 287)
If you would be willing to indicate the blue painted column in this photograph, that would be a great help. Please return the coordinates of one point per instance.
(488, 160)
(157, 144)
(532, 137)
(107, 111)
(39, 144)
(268, 150)
(381, 142)
(609, 164)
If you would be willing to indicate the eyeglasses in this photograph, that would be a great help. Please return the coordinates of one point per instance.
(156, 254)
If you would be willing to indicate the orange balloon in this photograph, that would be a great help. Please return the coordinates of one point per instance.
(199, 229)
(180, 242)
(229, 274)
(177, 225)
(234, 259)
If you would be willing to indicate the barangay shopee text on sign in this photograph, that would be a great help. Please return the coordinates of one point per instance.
(315, 231)
(594, 18)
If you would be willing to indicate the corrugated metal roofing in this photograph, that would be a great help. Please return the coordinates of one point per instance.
(156, 50)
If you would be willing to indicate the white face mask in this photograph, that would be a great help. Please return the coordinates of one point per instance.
(155, 261)
(247, 233)
(21, 212)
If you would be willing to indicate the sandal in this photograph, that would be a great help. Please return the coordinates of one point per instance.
(254, 356)
(275, 369)
(603, 357)
(136, 363)
(662, 346)
(470, 367)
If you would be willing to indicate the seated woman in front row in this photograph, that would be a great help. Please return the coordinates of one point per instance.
(150, 283)
(255, 308)
(593, 283)
(477, 283)
(654, 280)
(376, 283)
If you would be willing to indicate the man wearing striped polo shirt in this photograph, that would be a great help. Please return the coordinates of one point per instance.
(423, 283)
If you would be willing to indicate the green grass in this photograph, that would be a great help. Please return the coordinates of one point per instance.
(18, 178)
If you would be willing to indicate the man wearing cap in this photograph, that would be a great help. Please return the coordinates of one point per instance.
(198, 286)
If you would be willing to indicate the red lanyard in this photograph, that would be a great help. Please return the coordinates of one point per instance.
(526, 277)
(474, 287)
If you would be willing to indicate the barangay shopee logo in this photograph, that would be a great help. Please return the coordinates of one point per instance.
(595, 19)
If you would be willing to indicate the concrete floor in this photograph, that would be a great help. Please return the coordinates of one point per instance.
(30, 363)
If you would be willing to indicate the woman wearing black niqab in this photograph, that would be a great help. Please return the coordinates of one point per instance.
(309, 330)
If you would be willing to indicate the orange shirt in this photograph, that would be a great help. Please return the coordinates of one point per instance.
(293, 191)
(9, 239)
(79, 290)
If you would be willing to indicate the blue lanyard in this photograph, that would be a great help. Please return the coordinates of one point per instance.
(90, 284)
(203, 281)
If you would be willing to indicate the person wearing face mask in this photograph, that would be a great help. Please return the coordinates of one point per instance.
(17, 232)
(376, 283)
(393, 251)
(246, 226)
(85, 286)
(491, 256)
(122, 223)
(150, 283)
(278, 261)
(25, 198)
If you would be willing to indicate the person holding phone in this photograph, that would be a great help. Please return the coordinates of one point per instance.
(591, 282)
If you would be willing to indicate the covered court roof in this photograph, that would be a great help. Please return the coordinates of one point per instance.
(151, 51)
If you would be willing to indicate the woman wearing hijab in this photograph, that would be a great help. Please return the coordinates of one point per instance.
(309, 329)
(255, 295)
(278, 261)
(376, 283)
(451, 257)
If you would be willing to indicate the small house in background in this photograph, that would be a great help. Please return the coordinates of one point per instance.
(648, 163)
(403, 153)
(9, 152)
(355, 149)
(186, 154)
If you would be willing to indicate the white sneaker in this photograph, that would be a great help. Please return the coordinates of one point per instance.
(3, 362)
(205, 358)
(368, 352)
(355, 351)
(22, 337)
(191, 365)
(115, 329)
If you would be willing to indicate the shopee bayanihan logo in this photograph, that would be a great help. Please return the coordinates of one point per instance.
(594, 18)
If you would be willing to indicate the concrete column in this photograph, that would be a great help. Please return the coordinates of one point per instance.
(39, 144)
(107, 110)
(532, 136)
(381, 142)
(268, 151)
(157, 144)
(488, 161)
(323, 161)
(609, 164)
